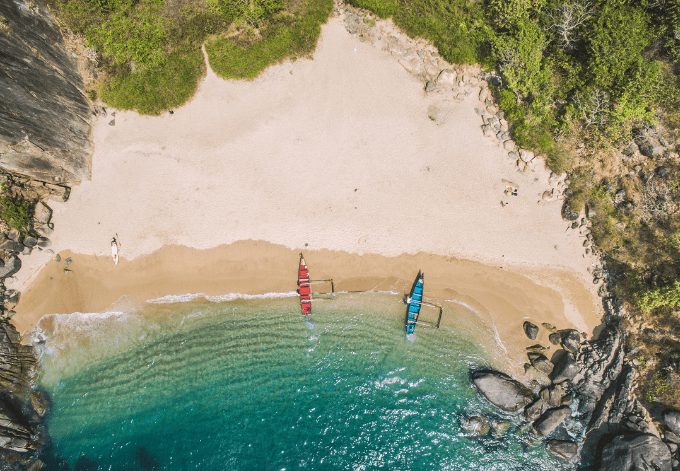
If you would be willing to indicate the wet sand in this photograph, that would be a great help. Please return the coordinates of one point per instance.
(496, 298)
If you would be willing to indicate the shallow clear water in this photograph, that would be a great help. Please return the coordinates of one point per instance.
(250, 385)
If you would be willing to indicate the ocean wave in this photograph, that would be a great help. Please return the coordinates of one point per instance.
(220, 298)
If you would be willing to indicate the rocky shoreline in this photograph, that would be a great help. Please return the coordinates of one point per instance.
(581, 401)
(44, 146)
(585, 404)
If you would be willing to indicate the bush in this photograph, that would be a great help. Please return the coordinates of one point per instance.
(16, 212)
(382, 8)
(151, 49)
(668, 296)
(151, 90)
(238, 58)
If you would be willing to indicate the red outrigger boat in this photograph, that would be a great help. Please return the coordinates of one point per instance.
(304, 288)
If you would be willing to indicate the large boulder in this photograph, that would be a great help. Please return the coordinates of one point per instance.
(570, 339)
(635, 452)
(540, 362)
(501, 390)
(565, 368)
(9, 266)
(551, 419)
(671, 420)
(564, 449)
(530, 329)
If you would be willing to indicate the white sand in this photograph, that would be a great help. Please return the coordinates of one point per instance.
(336, 152)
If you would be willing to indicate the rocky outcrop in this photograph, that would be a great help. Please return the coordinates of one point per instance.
(635, 452)
(501, 390)
(551, 419)
(21, 408)
(565, 449)
(44, 115)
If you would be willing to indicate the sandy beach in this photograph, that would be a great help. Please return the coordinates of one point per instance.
(335, 155)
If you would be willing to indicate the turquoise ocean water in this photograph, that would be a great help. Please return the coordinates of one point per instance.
(248, 384)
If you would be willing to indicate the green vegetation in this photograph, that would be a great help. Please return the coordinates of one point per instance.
(16, 212)
(456, 27)
(150, 50)
(576, 80)
(294, 33)
(668, 296)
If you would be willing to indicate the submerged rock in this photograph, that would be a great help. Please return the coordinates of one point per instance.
(564, 449)
(476, 425)
(635, 452)
(501, 390)
(530, 329)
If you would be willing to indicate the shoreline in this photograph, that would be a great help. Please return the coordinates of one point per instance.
(495, 299)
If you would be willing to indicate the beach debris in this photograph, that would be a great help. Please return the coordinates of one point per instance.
(112, 122)
(530, 329)
(501, 390)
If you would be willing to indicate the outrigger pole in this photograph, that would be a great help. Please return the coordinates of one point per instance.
(439, 319)
(329, 280)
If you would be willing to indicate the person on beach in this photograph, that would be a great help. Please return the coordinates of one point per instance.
(114, 250)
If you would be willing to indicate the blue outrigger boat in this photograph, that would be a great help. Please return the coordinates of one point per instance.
(414, 302)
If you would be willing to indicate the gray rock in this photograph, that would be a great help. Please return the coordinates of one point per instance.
(629, 150)
(555, 338)
(530, 329)
(534, 410)
(568, 213)
(500, 427)
(12, 246)
(564, 449)
(501, 390)
(570, 339)
(42, 213)
(537, 348)
(549, 326)
(10, 266)
(476, 425)
(551, 419)
(44, 115)
(662, 171)
(30, 242)
(671, 419)
(635, 452)
(565, 368)
(540, 362)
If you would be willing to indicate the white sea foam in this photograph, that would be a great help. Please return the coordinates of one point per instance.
(496, 334)
(187, 297)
